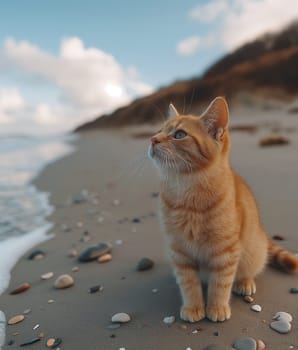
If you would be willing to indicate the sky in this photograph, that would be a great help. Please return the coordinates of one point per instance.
(63, 62)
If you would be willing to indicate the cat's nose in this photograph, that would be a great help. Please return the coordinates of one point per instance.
(154, 140)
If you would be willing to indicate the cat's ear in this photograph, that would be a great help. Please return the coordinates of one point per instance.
(216, 118)
(172, 111)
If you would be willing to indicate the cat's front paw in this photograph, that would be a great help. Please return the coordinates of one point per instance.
(218, 313)
(192, 314)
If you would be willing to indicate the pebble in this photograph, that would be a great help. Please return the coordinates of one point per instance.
(215, 347)
(80, 224)
(20, 289)
(105, 258)
(260, 344)
(144, 264)
(41, 335)
(256, 308)
(281, 326)
(154, 290)
(278, 237)
(75, 269)
(51, 301)
(36, 255)
(294, 290)
(64, 281)
(95, 289)
(169, 319)
(283, 316)
(57, 342)
(183, 327)
(47, 276)
(10, 342)
(72, 253)
(245, 344)
(118, 241)
(50, 342)
(274, 140)
(16, 319)
(100, 219)
(35, 327)
(248, 299)
(27, 311)
(116, 202)
(136, 220)
(30, 341)
(120, 317)
(94, 252)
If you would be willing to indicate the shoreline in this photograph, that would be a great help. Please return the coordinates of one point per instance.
(103, 164)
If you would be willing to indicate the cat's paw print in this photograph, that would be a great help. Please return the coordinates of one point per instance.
(218, 313)
(245, 286)
(192, 314)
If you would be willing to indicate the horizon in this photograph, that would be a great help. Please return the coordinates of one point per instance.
(95, 59)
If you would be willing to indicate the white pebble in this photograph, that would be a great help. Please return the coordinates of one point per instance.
(283, 316)
(118, 241)
(169, 319)
(121, 317)
(154, 290)
(188, 348)
(35, 327)
(121, 348)
(256, 308)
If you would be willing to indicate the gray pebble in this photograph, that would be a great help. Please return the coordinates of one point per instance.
(281, 326)
(283, 316)
(294, 290)
(94, 252)
(145, 264)
(245, 344)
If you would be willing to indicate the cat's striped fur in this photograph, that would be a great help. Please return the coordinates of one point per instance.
(209, 214)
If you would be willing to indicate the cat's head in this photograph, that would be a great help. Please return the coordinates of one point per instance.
(187, 143)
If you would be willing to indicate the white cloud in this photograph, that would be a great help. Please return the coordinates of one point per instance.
(11, 102)
(90, 81)
(251, 18)
(191, 45)
(188, 46)
(240, 21)
(209, 11)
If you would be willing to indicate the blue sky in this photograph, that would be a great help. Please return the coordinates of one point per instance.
(64, 62)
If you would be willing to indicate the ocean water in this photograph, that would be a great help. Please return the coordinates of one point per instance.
(24, 209)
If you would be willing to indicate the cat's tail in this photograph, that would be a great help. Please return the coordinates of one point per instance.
(281, 258)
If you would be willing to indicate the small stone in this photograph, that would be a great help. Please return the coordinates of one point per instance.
(50, 342)
(169, 319)
(136, 220)
(248, 299)
(94, 252)
(27, 311)
(35, 327)
(294, 290)
(16, 319)
(260, 345)
(118, 241)
(105, 258)
(41, 335)
(145, 264)
(113, 336)
(154, 290)
(188, 348)
(57, 342)
(80, 224)
(15, 333)
(36, 255)
(154, 194)
(20, 289)
(10, 342)
(183, 327)
(116, 202)
(51, 301)
(256, 308)
(120, 317)
(72, 253)
(95, 289)
(100, 219)
(283, 316)
(245, 344)
(278, 237)
(274, 141)
(30, 341)
(216, 334)
(64, 281)
(75, 269)
(47, 276)
(281, 326)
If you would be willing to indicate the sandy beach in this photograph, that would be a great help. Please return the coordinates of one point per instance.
(120, 206)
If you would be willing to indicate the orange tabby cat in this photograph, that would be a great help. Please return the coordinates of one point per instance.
(209, 214)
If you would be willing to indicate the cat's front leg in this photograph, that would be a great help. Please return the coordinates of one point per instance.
(219, 290)
(193, 308)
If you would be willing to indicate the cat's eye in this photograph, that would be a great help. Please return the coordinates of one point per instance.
(180, 134)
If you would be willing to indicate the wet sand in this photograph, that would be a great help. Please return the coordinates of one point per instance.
(108, 164)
